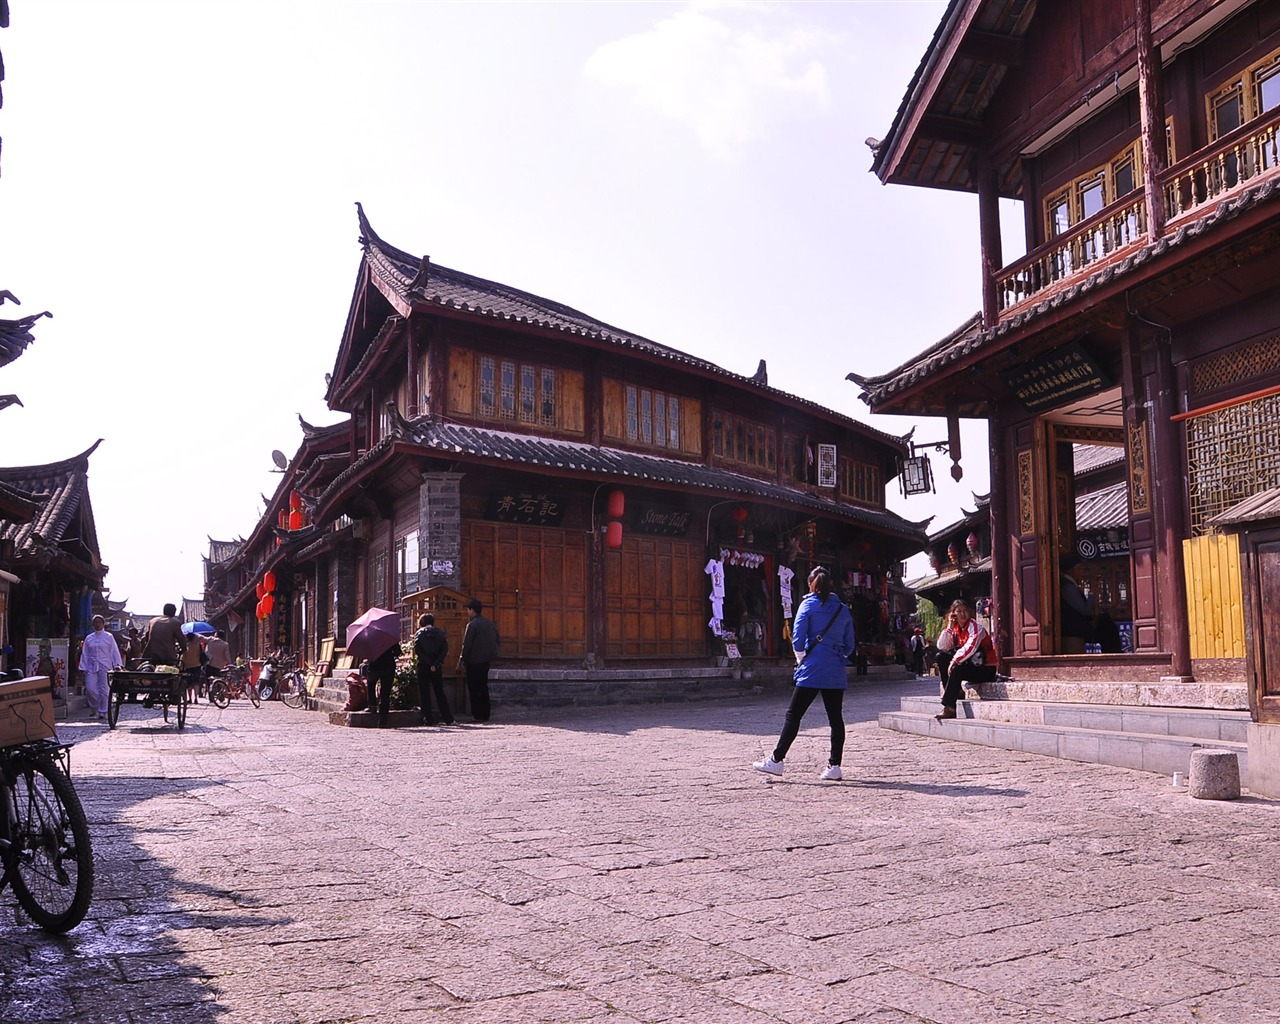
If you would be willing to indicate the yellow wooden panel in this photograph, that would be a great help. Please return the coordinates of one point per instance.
(1215, 597)
(461, 381)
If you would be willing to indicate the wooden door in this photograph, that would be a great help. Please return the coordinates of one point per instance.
(655, 599)
(534, 581)
(1262, 618)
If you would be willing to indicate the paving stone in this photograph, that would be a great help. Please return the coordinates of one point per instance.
(625, 865)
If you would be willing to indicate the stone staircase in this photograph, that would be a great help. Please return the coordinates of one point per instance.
(1099, 723)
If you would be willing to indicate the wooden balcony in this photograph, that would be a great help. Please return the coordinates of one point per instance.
(1191, 187)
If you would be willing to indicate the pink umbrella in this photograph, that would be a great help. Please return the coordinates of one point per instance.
(373, 633)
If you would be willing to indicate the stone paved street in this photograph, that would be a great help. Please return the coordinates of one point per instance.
(625, 864)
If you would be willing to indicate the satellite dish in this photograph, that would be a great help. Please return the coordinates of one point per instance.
(278, 458)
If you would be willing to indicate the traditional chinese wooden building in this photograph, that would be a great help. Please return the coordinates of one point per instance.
(1140, 138)
(588, 485)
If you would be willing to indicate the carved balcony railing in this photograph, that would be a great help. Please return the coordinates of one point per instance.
(1236, 161)
(1114, 229)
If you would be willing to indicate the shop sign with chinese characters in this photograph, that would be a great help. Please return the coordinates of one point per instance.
(1062, 375)
(526, 508)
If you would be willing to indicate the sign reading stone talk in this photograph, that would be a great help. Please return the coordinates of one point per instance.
(523, 507)
(659, 519)
(1060, 376)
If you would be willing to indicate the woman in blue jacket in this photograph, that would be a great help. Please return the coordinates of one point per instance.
(823, 640)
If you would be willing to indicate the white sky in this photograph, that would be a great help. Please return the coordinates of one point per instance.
(178, 181)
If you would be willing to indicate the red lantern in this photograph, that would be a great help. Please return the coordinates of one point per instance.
(613, 535)
(268, 581)
(971, 542)
(295, 500)
(739, 513)
(260, 590)
(953, 553)
(268, 603)
(258, 610)
(295, 520)
(617, 503)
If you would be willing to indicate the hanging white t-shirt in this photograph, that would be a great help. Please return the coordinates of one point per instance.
(785, 577)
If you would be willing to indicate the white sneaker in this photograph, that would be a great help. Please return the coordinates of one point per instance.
(769, 766)
(831, 773)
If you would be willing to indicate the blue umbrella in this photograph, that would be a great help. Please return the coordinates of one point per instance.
(203, 628)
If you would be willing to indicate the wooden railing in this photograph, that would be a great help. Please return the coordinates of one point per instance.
(1234, 162)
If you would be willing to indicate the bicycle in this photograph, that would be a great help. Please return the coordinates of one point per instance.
(235, 681)
(44, 836)
(293, 688)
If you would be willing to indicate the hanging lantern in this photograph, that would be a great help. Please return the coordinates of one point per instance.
(258, 611)
(268, 581)
(971, 542)
(613, 535)
(953, 553)
(739, 513)
(260, 590)
(617, 503)
(295, 500)
(935, 562)
(295, 520)
(268, 603)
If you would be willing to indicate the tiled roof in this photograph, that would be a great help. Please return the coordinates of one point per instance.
(970, 338)
(1263, 505)
(57, 489)
(951, 574)
(192, 609)
(1104, 509)
(221, 550)
(979, 516)
(418, 281)
(15, 335)
(459, 441)
(1088, 457)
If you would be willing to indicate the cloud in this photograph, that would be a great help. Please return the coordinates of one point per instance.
(725, 70)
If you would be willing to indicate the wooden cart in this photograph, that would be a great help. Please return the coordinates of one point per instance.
(150, 689)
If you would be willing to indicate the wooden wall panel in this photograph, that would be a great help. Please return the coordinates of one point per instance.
(654, 601)
(1215, 596)
(571, 406)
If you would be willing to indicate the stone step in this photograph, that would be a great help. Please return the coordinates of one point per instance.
(1227, 696)
(1195, 723)
(1079, 733)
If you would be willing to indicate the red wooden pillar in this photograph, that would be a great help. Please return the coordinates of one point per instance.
(989, 234)
(1151, 106)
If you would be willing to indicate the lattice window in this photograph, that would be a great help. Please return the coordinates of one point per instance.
(507, 396)
(1248, 362)
(1232, 454)
(488, 378)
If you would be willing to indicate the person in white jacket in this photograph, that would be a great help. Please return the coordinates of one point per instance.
(98, 656)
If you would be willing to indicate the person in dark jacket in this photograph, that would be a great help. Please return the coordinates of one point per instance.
(431, 647)
(380, 674)
(479, 648)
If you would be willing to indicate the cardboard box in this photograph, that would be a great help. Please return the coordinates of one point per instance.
(26, 711)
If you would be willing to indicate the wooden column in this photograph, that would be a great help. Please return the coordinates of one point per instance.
(989, 233)
(1003, 491)
(1167, 466)
(1151, 104)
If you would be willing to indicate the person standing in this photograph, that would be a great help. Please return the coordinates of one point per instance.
(165, 642)
(965, 655)
(479, 649)
(916, 646)
(823, 639)
(1077, 607)
(381, 674)
(193, 659)
(99, 655)
(218, 652)
(431, 647)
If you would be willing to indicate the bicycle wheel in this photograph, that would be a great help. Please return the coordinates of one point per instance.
(293, 694)
(266, 691)
(182, 710)
(113, 708)
(52, 866)
(219, 694)
(252, 692)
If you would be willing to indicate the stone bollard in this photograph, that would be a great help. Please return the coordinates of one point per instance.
(1215, 775)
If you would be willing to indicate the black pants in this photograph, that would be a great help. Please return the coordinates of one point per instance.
(478, 689)
(832, 700)
(434, 678)
(953, 679)
(380, 695)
